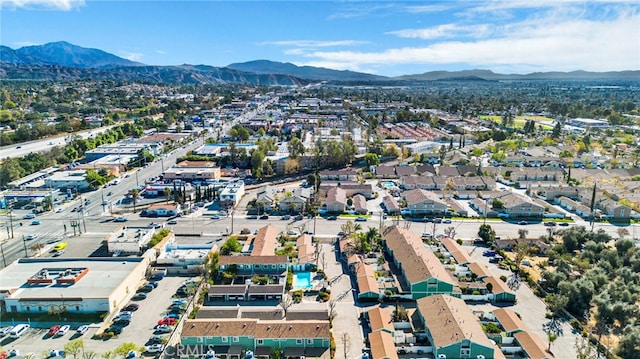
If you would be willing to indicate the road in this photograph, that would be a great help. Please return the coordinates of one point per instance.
(18, 150)
(95, 222)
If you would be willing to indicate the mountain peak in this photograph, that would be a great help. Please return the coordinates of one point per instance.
(63, 53)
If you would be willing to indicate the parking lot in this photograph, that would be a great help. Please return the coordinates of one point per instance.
(36, 340)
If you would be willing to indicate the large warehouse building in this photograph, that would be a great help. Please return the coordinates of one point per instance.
(80, 285)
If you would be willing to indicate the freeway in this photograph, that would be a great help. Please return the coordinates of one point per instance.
(22, 149)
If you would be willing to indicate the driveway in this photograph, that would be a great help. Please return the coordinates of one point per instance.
(346, 318)
(531, 308)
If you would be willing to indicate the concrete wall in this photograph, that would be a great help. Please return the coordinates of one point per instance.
(128, 286)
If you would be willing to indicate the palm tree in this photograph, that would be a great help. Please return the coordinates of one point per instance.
(134, 194)
(551, 337)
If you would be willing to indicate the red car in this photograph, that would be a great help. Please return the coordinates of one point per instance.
(167, 321)
(53, 330)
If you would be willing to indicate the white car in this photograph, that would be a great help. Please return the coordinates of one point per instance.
(56, 354)
(82, 329)
(32, 236)
(154, 348)
(59, 209)
(63, 330)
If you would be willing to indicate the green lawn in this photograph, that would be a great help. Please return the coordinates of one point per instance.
(519, 121)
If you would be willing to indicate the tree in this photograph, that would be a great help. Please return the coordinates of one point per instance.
(522, 233)
(346, 344)
(167, 193)
(239, 133)
(296, 148)
(371, 159)
(74, 347)
(450, 232)
(125, 348)
(629, 343)
(286, 302)
(551, 337)
(257, 163)
(231, 245)
(134, 195)
(487, 233)
(522, 249)
(557, 129)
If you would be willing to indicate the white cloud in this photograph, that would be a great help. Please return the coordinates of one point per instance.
(133, 56)
(65, 5)
(314, 43)
(527, 46)
(161, 52)
(443, 31)
(418, 9)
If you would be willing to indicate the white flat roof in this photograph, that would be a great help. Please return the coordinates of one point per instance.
(103, 277)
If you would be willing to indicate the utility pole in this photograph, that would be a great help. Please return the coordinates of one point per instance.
(11, 219)
(24, 243)
(232, 213)
(4, 260)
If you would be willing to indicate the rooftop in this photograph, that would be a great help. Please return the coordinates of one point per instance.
(100, 277)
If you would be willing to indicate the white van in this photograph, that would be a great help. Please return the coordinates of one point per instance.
(18, 330)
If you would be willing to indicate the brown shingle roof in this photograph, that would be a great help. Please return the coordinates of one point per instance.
(480, 270)
(509, 320)
(252, 260)
(336, 194)
(266, 241)
(382, 346)
(379, 319)
(498, 285)
(366, 279)
(419, 195)
(532, 345)
(450, 321)
(418, 263)
(459, 254)
(256, 328)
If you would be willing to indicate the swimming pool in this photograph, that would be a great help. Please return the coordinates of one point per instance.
(388, 184)
(302, 280)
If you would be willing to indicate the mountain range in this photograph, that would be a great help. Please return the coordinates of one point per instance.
(59, 61)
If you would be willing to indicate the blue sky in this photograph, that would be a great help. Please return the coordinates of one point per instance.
(379, 37)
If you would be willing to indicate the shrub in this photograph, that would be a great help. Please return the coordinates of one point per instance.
(459, 241)
(503, 278)
(476, 292)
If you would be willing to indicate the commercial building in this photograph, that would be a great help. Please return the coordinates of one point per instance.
(231, 194)
(75, 179)
(80, 285)
(129, 240)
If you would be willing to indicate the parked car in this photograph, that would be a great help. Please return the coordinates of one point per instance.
(59, 209)
(120, 219)
(489, 253)
(29, 216)
(179, 302)
(154, 348)
(63, 330)
(564, 224)
(139, 296)
(331, 218)
(146, 288)
(163, 329)
(32, 236)
(155, 225)
(523, 223)
(131, 307)
(132, 353)
(82, 329)
(157, 277)
(35, 223)
(175, 316)
(167, 321)
(54, 330)
(252, 217)
(550, 224)
(286, 217)
(172, 221)
(115, 329)
(56, 354)
(155, 339)
(264, 216)
(5, 330)
(427, 235)
(447, 221)
(58, 253)
(215, 216)
(299, 217)
(361, 219)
